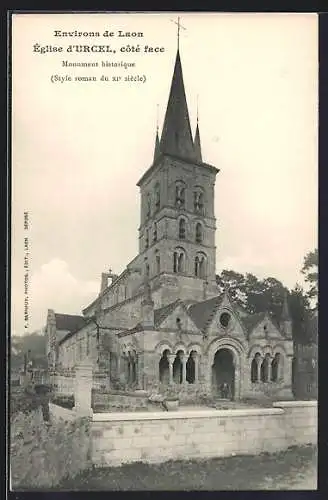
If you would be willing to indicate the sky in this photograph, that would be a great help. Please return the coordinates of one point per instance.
(80, 147)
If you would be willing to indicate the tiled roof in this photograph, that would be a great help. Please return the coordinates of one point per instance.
(201, 312)
(164, 312)
(252, 320)
(69, 322)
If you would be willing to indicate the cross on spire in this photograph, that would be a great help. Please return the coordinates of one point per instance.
(179, 26)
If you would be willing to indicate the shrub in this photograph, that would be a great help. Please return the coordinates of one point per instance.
(30, 399)
(42, 455)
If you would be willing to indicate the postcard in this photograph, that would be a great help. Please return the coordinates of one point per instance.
(164, 258)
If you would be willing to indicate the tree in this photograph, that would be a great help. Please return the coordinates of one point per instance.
(20, 345)
(299, 307)
(251, 293)
(235, 283)
(310, 271)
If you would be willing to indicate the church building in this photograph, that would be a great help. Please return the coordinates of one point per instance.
(163, 323)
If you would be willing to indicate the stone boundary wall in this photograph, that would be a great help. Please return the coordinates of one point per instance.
(112, 401)
(58, 412)
(157, 437)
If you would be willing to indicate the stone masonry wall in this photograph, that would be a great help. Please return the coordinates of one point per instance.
(157, 437)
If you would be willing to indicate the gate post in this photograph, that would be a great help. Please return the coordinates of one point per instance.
(83, 388)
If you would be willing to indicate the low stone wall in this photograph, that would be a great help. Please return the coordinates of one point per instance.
(157, 437)
(187, 393)
(58, 412)
(119, 401)
(64, 384)
(301, 421)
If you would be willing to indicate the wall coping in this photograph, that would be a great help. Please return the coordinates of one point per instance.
(293, 404)
(174, 415)
(61, 412)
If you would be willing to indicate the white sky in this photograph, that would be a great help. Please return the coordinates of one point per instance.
(80, 148)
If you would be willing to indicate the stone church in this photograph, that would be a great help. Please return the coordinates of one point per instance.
(163, 323)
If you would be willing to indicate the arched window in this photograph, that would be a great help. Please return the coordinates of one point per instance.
(179, 261)
(182, 229)
(200, 266)
(164, 376)
(265, 369)
(199, 201)
(132, 367)
(155, 232)
(147, 269)
(157, 196)
(180, 195)
(190, 369)
(177, 368)
(254, 371)
(199, 233)
(274, 368)
(158, 263)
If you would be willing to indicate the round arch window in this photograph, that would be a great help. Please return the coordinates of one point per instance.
(225, 319)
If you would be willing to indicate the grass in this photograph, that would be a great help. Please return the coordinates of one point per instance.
(292, 469)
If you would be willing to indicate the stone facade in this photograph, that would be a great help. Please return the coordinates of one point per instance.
(162, 322)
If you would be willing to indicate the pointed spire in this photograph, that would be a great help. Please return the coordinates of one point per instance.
(197, 145)
(285, 314)
(157, 147)
(176, 135)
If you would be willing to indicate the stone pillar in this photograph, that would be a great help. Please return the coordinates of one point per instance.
(269, 369)
(83, 387)
(195, 358)
(183, 360)
(280, 373)
(238, 385)
(138, 378)
(288, 370)
(171, 358)
(259, 363)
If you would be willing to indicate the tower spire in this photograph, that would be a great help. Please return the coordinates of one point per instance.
(176, 135)
(157, 147)
(197, 145)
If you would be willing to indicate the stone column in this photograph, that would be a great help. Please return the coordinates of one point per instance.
(171, 358)
(83, 387)
(259, 363)
(195, 358)
(288, 370)
(269, 369)
(237, 389)
(183, 360)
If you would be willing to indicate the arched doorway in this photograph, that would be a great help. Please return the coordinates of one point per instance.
(223, 374)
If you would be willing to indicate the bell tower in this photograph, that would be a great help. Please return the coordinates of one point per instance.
(177, 226)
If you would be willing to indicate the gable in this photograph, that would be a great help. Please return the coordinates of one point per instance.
(69, 322)
(226, 322)
(201, 312)
(265, 329)
(178, 316)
